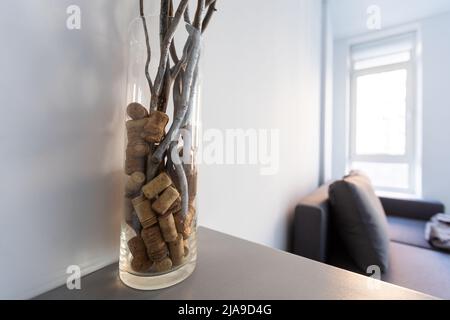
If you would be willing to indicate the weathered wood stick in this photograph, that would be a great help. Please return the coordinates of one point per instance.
(198, 20)
(147, 42)
(181, 178)
(165, 48)
(188, 76)
(211, 9)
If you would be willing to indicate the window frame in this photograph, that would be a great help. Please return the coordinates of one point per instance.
(411, 147)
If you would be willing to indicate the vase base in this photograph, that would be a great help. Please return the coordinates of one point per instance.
(157, 282)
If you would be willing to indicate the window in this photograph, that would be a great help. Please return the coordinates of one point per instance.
(382, 114)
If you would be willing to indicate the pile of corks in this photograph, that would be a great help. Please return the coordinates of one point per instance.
(153, 207)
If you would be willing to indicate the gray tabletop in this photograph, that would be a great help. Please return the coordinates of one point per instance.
(231, 268)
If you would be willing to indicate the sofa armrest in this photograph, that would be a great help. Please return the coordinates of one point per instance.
(412, 209)
(311, 226)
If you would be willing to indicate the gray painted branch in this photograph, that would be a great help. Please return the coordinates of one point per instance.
(147, 42)
(163, 19)
(165, 48)
(198, 20)
(181, 176)
(182, 62)
(188, 77)
(209, 14)
(193, 95)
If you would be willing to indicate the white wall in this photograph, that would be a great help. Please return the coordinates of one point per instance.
(262, 70)
(435, 34)
(61, 140)
(436, 108)
(350, 16)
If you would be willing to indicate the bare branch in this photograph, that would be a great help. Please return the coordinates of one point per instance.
(181, 177)
(163, 19)
(182, 62)
(187, 17)
(165, 48)
(209, 14)
(188, 77)
(149, 51)
(198, 20)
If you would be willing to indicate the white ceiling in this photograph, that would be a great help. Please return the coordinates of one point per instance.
(349, 16)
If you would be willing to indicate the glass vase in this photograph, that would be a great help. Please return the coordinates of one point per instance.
(158, 245)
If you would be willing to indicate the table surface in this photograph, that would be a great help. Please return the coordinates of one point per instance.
(229, 268)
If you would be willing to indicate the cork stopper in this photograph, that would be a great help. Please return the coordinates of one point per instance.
(134, 184)
(133, 165)
(168, 228)
(140, 261)
(137, 149)
(156, 247)
(192, 185)
(163, 265)
(155, 128)
(166, 200)
(176, 249)
(144, 211)
(136, 111)
(157, 185)
(184, 225)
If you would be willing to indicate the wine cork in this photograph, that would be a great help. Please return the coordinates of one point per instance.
(184, 225)
(176, 249)
(128, 209)
(156, 247)
(188, 222)
(166, 200)
(137, 149)
(157, 185)
(176, 206)
(144, 211)
(140, 261)
(163, 265)
(136, 111)
(134, 223)
(186, 247)
(155, 128)
(168, 228)
(134, 184)
(192, 185)
(133, 165)
(135, 128)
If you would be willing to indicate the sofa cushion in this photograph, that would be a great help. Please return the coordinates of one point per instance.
(360, 221)
(411, 267)
(419, 269)
(408, 231)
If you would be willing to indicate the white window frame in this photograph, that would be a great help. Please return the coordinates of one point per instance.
(411, 149)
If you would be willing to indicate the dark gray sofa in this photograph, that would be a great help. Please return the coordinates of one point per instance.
(414, 263)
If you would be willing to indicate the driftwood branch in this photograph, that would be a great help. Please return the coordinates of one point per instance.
(165, 48)
(181, 62)
(187, 17)
(147, 42)
(211, 5)
(163, 19)
(188, 77)
(181, 177)
(198, 20)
